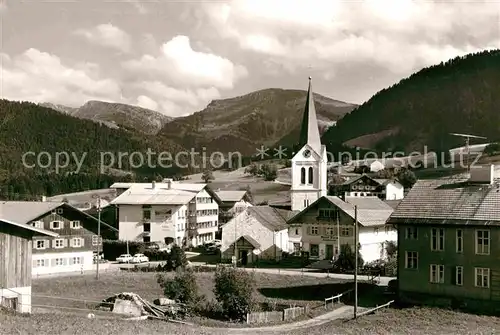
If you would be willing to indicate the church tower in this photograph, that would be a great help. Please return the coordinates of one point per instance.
(309, 164)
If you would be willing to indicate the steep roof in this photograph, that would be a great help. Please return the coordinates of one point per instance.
(449, 201)
(272, 218)
(309, 133)
(371, 211)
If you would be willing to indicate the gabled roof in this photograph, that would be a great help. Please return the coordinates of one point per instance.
(230, 196)
(449, 201)
(371, 211)
(309, 133)
(272, 218)
(380, 181)
(24, 212)
(29, 227)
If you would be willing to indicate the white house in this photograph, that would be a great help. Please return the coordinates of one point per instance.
(309, 164)
(152, 212)
(232, 203)
(328, 223)
(365, 186)
(260, 232)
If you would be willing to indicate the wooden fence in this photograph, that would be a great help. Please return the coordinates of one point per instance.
(275, 316)
(374, 309)
(338, 296)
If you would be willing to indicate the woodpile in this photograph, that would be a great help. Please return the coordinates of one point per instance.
(132, 304)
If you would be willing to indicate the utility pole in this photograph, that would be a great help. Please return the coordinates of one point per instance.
(98, 235)
(338, 234)
(356, 261)
(235, 241)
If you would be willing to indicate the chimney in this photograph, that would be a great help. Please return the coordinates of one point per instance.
(153, 185)
(484, 174)
(44, 198)
(168, 181)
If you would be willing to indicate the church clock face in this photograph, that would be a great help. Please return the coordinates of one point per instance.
(307, 153)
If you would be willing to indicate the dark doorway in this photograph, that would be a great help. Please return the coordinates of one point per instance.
(329, 251)
(244, 257)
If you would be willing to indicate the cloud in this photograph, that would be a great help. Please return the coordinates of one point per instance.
(107, 35)
(41, 77)
(178, 62)
(397, 35)
(174, 101)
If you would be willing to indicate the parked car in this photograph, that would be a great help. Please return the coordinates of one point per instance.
(139, 258)
(211, 248)
(125, 258)
(217, 243)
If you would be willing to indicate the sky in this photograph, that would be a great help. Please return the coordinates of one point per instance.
(177, 56)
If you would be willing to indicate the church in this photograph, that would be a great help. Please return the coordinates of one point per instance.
(319, 223)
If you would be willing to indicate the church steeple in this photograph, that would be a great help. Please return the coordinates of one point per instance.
(309, 133)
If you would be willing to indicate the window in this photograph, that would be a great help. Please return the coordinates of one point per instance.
(41, 244)
(330, 231)
(146, 214)
(59, 261)
(77, 242)
(75, 225)
(328, 213)
(345, 231)
(411, 260)
(482, 242)
(77, 260)
(437, 239)
(59, 211)
(459, 275)
(38, 224)
(411, 233)
(437, 274)
(314, 230)
(482, 277)
(56, 225)
(59, 243)
(388, 228)
(306, 202)
(303, 176)
(460, 241)
(296, 231)
(40, 263)
(311, 171)
(314, 250)
(147, 227)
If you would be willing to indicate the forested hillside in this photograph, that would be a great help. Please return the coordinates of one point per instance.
(460, 96)
(27, 127)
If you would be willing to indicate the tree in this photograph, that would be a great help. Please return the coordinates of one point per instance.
(407, 178)
(207, 176)
(391, 249)
(384, 174)
(252, 169)
(235, 291)
(269, 172)
(182, 287)
(346, 260)
(177, 258)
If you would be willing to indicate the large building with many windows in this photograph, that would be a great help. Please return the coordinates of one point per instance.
(182, 213)
(448, 233)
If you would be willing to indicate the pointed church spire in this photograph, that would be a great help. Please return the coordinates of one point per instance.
(309, 133)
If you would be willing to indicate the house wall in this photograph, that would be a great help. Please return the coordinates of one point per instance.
(162, 225)
(207, 219)
(373, 241)
(414, 284)
(245, 224)
(394, 191)
(15, 257)
(59, 262)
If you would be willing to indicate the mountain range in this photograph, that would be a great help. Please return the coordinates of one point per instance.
(457, 96)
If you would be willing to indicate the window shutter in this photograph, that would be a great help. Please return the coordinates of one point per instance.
(34, 263)
(71, 261)
(454, 275)
(53, 243)
(81, 260)
(72, 242)
(82, 241)
(53, 262)
(61, 224)
(308, 230)
(65, 242)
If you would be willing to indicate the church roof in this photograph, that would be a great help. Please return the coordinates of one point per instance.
(309, 133)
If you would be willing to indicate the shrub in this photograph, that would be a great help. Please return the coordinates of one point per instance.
(177, 258)
(182, 287)
(269, 172)
(346, 260)
(235, 291)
